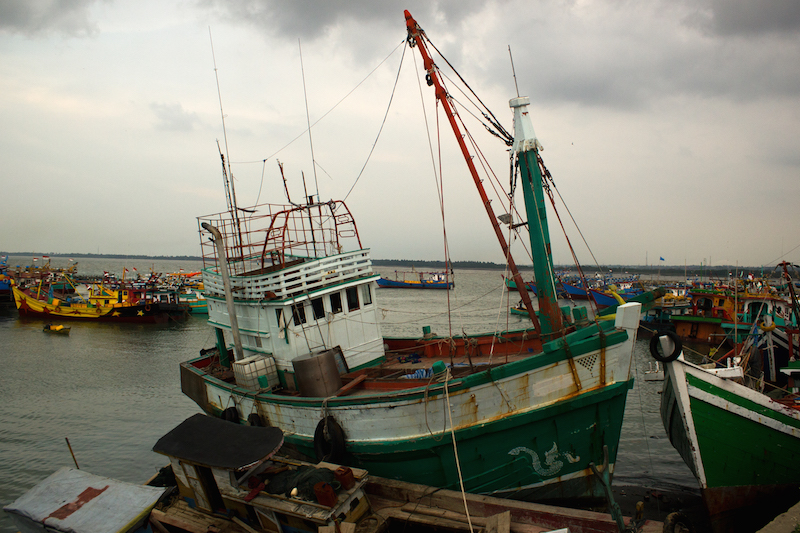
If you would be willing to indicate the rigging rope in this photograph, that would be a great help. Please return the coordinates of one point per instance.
(383, 122)
(496, 123)
(439, 179)
(326, 113)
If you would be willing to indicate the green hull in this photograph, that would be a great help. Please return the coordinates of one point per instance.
(559, 442)
(740, 445)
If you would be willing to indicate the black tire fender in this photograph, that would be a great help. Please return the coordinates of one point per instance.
(254, 419)
(231, 415)
(655, 344)
(332, 448)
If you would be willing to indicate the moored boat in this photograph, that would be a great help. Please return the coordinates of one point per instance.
(195, 299)
(5, 282)
(530, 408)
(102, 304)
(418, 280)
(740, 443)
(56, 328)
(209, 485)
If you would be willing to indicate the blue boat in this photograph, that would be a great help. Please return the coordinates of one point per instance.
(5, 282)
(418, 280)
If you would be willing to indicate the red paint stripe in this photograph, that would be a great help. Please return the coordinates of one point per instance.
(68, 508)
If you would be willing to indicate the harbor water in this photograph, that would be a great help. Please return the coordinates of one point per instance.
(113, 390)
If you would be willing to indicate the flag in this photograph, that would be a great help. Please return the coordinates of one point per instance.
(661, 258)
(45, 257)
(134, 269)
(126, 270)
(35, 259)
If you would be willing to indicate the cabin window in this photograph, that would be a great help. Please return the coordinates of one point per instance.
(336, 302)
(352, 298)
(319, 308)
(299, 314)
(366, 295)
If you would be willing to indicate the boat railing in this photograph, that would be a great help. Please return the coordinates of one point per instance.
(269, 236)
(305, 277)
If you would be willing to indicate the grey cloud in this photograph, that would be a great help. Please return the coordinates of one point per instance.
(618, 54)
(311, 19)
(172, 117)
(37, 17)
(626, 55)
(749, 18)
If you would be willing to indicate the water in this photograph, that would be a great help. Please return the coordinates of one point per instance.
(114, 390)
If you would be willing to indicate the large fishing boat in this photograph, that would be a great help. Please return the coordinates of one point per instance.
(521, 413)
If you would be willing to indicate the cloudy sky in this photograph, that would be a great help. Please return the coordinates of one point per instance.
(672, 129)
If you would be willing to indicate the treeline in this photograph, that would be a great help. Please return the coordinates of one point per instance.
(720, 271)
(109, 256)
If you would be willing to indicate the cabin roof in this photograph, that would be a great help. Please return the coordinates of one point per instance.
(209, 441)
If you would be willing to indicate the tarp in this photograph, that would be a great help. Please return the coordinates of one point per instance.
(210, 441)
(74, 501)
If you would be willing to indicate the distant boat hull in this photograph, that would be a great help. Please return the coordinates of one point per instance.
(571, 291)
(414, 284)
(149, 313)
(196, 302)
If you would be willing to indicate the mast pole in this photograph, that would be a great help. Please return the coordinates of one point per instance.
(526, 147)
(416, 34)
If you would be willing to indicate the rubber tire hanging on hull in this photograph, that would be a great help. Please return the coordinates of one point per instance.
(254, 419)
(655, 344)
(231, 415)
(330, 449)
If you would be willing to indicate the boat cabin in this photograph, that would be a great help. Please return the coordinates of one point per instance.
(225, 469)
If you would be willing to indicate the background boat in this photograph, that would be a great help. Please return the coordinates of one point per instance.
(58, 299)
(740, 444)
(417, 280)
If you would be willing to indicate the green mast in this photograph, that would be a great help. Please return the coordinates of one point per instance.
(526, 148)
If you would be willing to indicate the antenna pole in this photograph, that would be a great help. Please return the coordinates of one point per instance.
(285, 186)
(308, 119)
(233, 206)
(513, 71)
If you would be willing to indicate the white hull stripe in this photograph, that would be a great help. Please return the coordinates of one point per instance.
(736, 409)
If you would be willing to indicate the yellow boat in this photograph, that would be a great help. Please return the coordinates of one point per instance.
(53, 328)
(103, 304)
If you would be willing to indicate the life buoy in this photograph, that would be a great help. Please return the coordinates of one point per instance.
(655, 343)
(231, 415)
(329, 447)
(765, 328)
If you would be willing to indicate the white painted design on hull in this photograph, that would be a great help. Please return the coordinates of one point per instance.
(552, 465)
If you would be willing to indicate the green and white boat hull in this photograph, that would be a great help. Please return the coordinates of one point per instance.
(527, 429)
(741, 445)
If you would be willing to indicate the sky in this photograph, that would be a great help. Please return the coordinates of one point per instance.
(671, 128)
